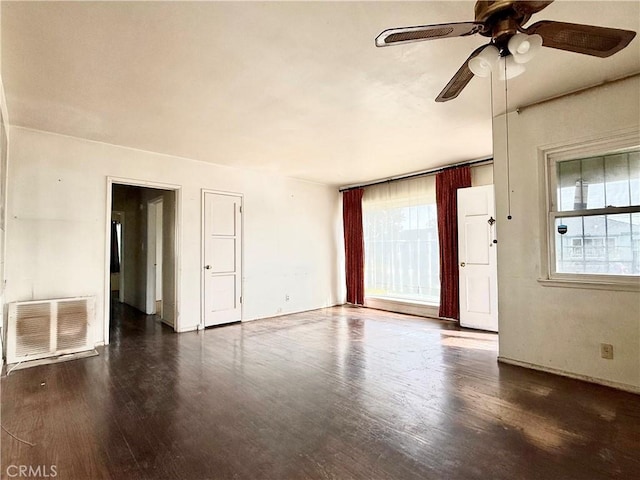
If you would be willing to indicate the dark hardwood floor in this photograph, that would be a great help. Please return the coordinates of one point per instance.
(340, 393)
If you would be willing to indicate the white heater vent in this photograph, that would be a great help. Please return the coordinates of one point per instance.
(48, 328)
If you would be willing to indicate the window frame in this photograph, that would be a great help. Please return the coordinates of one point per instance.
(550, 156)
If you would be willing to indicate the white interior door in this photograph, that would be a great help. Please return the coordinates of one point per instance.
(222, 230)
(477, 255)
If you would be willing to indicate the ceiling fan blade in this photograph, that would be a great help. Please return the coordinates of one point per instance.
(394, 36)
(530, 7)
(587, 39)
(460, 80)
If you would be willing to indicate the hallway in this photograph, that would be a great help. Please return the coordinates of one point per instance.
(335, 393)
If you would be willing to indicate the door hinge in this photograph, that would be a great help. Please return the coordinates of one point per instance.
(240, 298)
(240, 208)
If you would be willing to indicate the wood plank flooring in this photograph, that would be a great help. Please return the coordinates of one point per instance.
(339, 393)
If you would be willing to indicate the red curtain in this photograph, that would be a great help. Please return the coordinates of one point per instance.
(353, 244)
(447, 183)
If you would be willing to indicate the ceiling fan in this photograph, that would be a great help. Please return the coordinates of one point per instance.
(511, 42)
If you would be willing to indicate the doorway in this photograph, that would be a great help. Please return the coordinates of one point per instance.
(147, 251)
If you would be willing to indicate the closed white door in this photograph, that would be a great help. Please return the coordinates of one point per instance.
(222, 266)
(477, 254)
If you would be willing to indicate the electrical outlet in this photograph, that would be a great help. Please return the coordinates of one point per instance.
(606, 351)
(286, 298)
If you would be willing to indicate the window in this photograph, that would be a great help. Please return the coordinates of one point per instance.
(401, 241)
(594, 217)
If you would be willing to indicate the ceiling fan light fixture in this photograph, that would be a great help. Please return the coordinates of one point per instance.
(482, 64)
(524, 47)
(513, 69)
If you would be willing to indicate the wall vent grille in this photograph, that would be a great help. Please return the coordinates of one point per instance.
(48, 328)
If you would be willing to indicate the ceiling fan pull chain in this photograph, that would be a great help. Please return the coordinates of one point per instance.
(506, 121)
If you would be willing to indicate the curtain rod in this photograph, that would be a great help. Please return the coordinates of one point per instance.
(422, 173)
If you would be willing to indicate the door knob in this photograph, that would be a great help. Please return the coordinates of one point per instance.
(208, 267)
(462, 264)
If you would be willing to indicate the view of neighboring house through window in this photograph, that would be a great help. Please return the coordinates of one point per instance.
(597, 206)
(401, 241)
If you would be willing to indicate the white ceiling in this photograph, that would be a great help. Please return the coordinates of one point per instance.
(296, 88)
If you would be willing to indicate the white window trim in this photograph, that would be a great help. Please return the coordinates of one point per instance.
(551, 154)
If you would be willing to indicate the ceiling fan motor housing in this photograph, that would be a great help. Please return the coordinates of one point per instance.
(502, 19)
(521, 11)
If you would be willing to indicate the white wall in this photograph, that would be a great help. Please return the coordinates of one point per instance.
(552, 327)
(482, 175)
(57, 222)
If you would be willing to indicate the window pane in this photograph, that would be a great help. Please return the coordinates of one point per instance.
(593, 183)
(619, 236)
(599, 244)
(569, 246)
(568, 176)
(401, 252)
(595, 252)
(617, 180)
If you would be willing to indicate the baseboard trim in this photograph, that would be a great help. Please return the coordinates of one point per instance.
(576, 376)
(190, 328)
(407, 308)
